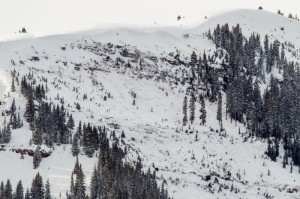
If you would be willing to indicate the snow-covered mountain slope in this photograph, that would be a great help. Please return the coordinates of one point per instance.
(276, 26)
(259, 21)
(195, 161)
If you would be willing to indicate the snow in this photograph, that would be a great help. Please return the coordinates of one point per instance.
(262, 22)
(56, 16)
(155, 121)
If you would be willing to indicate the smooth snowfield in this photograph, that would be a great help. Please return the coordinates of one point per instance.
(153, 126)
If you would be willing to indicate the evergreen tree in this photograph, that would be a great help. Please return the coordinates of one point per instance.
(88, 142)
(79, 184)
(194, 58)
(202, 111)
(94, 193)
(30, 112)
(75, 145)
(13, 88)
(184, 121)
(37, 188)
(260, 66)
(192, 108)
(37, 158)
(7, 133)
(219, 111)
(47, 190)
(14, 121)
(267, 54)
(13, 106)
(71, 123)
(2, 190)
(72, 188)
(77, 166)
(19, 123)
(79, 129)
(19, 194)
(193, 64)
(37, 134)
(8, 190)
(27, 194)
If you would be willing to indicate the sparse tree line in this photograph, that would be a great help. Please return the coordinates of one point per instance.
(112, 177)
(38, 190)
(271, 114)
(290, 15)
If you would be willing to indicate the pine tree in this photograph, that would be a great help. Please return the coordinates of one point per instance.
(47, 190)
(184, 121)
(2, 190)
(14, 122)
(30, 112)
(71, 124)
(76, 167)
(27, 194)
(192, 108)
(37, 188)
(37, 158)
(95, 138)
(37, 133)
(19, 194)
(88, 142)
(94, 185)
(19, 123)
(72, 188)
(13, 88)
(267, 54)
(79, 129)
(7, 134)
(8, 190)
(219, 112)
(258, 108)
(260, 69)
(80, 185)
(13, 106)
(64, 132)
(194, 58)
(202, 111)
(75, 145)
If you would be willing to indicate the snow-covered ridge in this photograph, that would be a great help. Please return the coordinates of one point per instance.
(259, 21)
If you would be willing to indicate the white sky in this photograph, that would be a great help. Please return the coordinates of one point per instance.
(57, 16)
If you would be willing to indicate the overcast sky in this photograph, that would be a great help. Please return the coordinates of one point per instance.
(50, 16)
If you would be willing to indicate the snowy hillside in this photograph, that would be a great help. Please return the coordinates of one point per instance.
(262, 22)
(132, 81)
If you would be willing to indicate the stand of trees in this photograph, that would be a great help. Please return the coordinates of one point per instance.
(5, 134)
(38, 190)
(112, 177)
(50, 123)
(272, 114)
